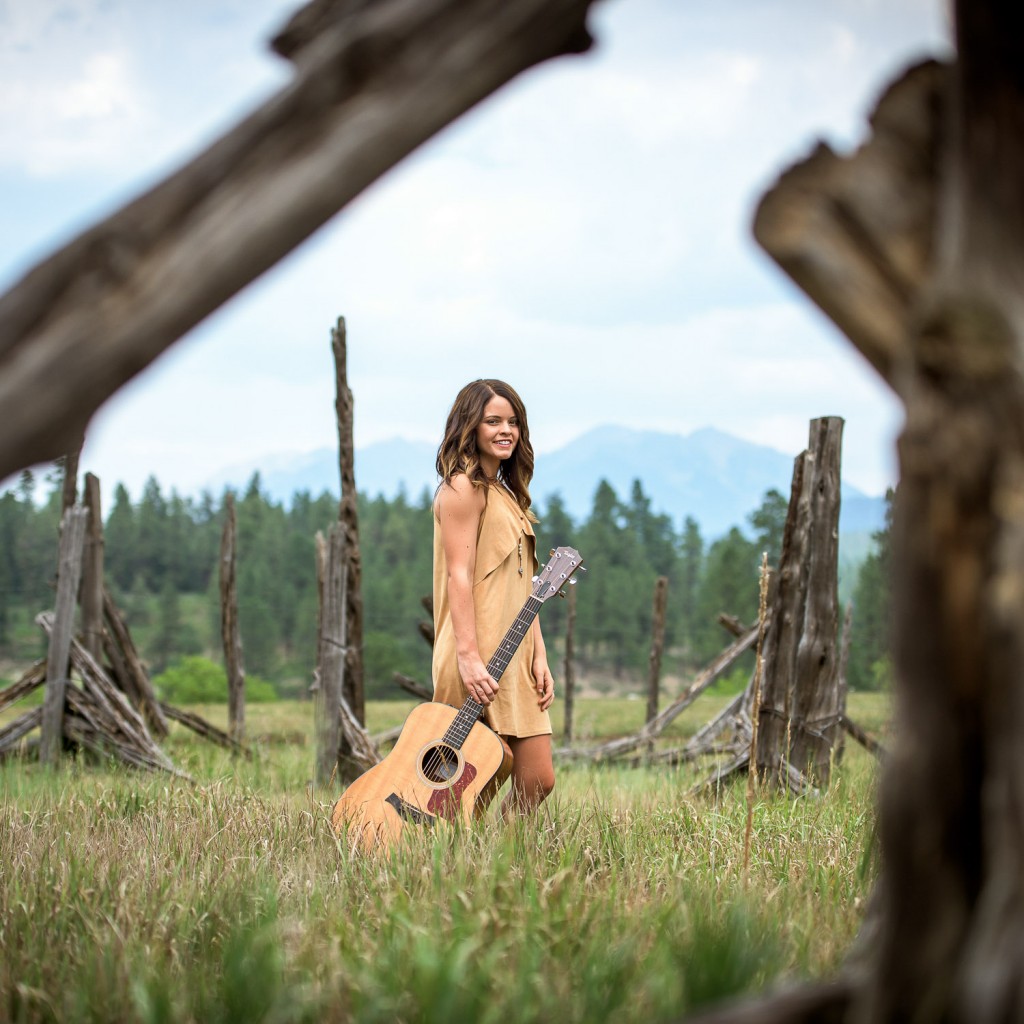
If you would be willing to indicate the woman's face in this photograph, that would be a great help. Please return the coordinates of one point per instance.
(497, 435)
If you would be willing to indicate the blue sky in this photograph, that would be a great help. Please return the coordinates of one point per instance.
(583, 234)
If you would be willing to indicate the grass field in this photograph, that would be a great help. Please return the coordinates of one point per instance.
(132, 897)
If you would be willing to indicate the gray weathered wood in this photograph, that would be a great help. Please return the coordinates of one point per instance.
(230, 632)
(330, 658)
(354, 690)
(14, 732)
(201, 727)
(31, 679)
(92, 571)
(129, 671)
(412, 687)
(100, 716)
(945, 938)
(857, 233)
(374, 83)
(69, 486)
(801, 710)
(69, 571)
(651, 730)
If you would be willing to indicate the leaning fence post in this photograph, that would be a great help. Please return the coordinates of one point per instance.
(331, 659)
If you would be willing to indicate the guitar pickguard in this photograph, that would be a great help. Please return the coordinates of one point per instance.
(446, 802)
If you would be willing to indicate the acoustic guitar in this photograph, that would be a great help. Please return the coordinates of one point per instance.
(447, 764)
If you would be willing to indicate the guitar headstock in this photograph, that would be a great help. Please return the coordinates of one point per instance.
(559, 571)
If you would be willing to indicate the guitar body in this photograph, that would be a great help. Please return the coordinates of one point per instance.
(423, 780)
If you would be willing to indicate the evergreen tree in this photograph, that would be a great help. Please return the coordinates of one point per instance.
(614, 609)
(256, 580)
(729, 585)
(769, 523)
(151, 538)
(166, 644)
(691, 568)
(868, 664)
(555, 529)
(120, 551)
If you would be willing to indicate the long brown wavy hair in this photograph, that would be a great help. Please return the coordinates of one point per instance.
(457, 452)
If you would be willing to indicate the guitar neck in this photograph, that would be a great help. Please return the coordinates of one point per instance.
(513, 638)
(471, 712)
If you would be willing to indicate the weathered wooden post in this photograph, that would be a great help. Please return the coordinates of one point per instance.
(92, 572)
(128, 668)
(800, 715)
(570, 664)
(332, 567)
(231, 636)
(69, 489)
(354, 691)
(657, 646)
(69, 571)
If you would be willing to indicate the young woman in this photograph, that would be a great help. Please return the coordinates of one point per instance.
(484, 562)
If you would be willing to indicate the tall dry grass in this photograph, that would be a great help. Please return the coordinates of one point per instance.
(126, 897)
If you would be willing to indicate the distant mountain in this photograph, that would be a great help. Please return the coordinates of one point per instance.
(709, 475)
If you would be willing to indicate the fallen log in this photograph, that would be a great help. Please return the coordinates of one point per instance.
(652, 729)
(360, 750)
(411, 686)
(31, 679)
(863, 737)
(11, 734)
(202, 727)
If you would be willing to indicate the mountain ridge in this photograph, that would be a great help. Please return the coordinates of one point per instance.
(710, 475)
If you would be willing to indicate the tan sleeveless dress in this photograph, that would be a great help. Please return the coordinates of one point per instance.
(502, 581)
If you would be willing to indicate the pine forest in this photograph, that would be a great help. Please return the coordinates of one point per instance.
(161, 558)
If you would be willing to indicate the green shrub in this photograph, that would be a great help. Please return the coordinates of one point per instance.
(196, 680)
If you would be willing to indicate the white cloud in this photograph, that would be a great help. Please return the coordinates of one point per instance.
(586, 230)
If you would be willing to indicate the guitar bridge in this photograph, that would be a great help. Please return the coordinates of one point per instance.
(408, 812)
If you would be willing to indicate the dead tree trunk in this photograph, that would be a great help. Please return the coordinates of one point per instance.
(69, 571)
(330, 657)
(799, 719)
(353, 691)
(69, 487)
(92, 572)
(915, 246)
(231, 636)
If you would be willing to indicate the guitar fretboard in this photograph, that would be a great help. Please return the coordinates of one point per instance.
(471, 712)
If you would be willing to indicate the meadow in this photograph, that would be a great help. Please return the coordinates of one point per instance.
(133, 897)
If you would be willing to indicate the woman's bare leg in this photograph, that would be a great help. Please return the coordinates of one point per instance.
(533, 774)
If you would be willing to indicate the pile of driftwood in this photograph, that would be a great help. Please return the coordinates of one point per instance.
(99, 696)
(97, 714)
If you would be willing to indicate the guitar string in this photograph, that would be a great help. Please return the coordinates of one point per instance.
(471, 711)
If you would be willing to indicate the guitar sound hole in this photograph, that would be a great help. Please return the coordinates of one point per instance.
(440, 764)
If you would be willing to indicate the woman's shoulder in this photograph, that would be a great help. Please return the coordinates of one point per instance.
(459, 492)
